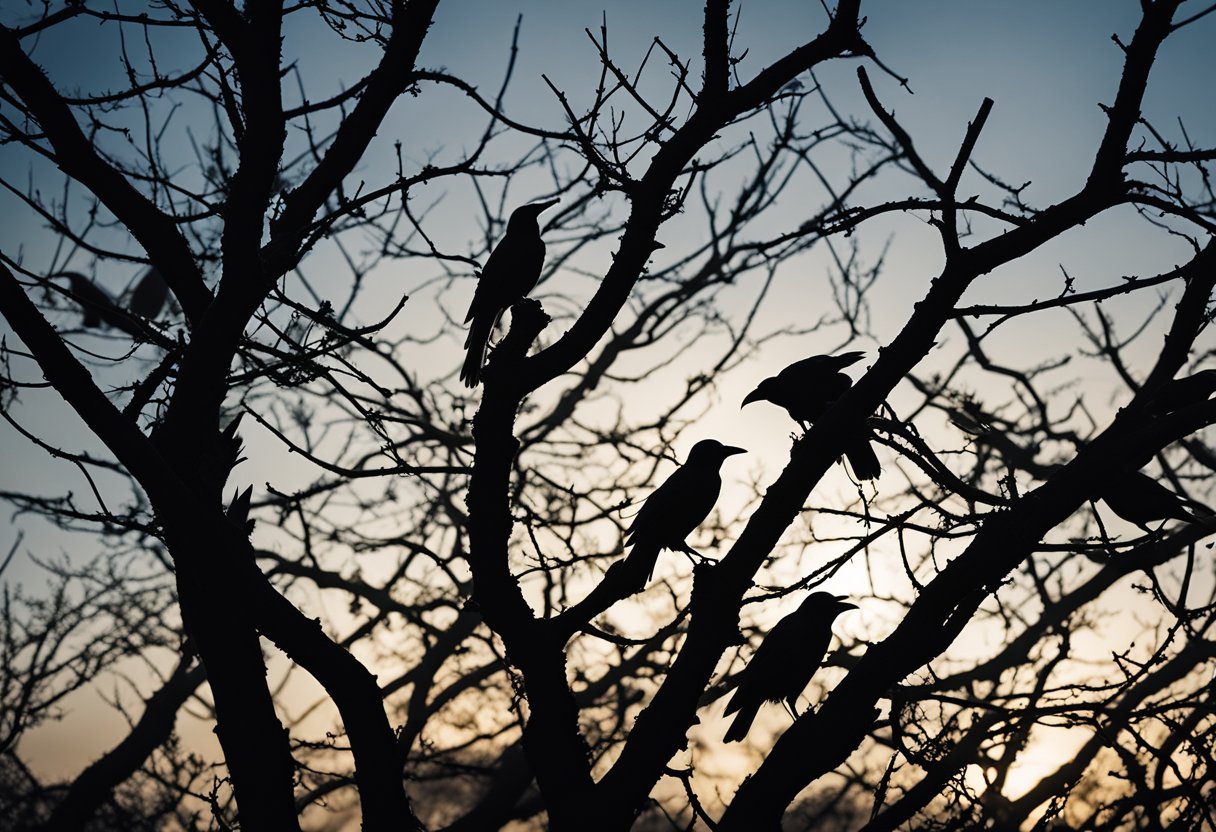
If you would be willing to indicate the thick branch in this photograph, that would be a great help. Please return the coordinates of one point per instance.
(716, 49)
(552, 740)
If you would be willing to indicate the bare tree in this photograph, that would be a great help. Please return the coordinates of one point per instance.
(411, 606)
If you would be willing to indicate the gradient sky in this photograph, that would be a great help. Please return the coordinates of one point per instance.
(1046, 63)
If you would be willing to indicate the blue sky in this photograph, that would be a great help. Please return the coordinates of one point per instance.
(1046, 63)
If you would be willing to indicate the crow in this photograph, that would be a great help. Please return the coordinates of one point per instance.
(806, 389)
(509, 274)
(1139, 499)
(677, 507)
(785, 661)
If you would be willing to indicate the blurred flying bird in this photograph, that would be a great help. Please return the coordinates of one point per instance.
(148, 297)
(511, 271)
(970, 418)
(677, 507)
(98, 307)
(1183, 392)
(1139, 499)
(785, 661)
(806, 389)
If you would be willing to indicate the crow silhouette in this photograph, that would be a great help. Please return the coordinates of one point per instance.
(677, 507)
(1141, 500)
(785, 661)
(806, 389)
(509, 274)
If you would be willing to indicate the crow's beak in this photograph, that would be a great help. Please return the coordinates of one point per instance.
(843, 604)
(731, 450)
(753, 396)
(546, 205)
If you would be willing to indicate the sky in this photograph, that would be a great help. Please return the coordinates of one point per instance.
(1047, 64)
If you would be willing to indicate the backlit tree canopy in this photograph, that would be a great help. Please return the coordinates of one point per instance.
(273, 564)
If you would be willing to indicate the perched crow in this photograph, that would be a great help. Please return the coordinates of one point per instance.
(1183, 392)
(806, 389)
(148, 297)
(785, 661)
(1140, 500)
(509, 274)
(677, 507)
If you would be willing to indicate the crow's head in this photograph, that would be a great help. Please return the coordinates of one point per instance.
(526, 215)
(825, 603)
(711, 451)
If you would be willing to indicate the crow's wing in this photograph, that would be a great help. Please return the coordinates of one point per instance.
(676, 508)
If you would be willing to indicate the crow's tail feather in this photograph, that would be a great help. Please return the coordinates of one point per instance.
(862, 459)
(743, 722)
(476, 344)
